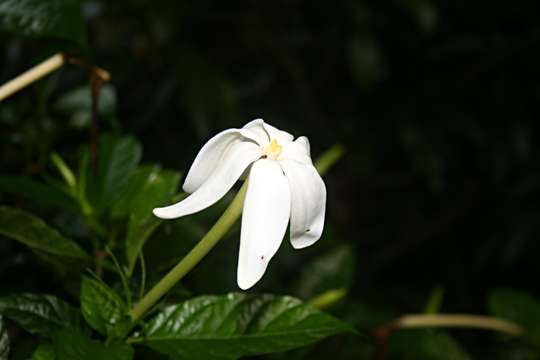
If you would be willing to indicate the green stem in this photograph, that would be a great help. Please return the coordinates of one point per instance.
(220, 228)
(329, 158)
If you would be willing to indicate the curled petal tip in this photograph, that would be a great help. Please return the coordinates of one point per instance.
(162, 213)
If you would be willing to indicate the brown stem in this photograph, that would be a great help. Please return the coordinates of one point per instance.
(98, 77)
(95, 84)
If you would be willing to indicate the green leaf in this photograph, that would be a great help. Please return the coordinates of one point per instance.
(4, 340)
(118, 158)
(426, 345)
(44, 351)
(40, 314)
(122, 206)
(73, 345)
(331, 271)
(519, 307)
(43, 18)
(30, 189)
(35, 233)
(234, 325)
(101, 307)
(157, 191)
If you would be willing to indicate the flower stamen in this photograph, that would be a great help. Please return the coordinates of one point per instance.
(272, 150)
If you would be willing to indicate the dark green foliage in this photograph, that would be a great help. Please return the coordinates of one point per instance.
(41, 314)
(35, 191)
(520, 307)
(426, 345)
(4, 340)
(118, 158)
(101, 307)
(43, 18)
(235, 325)
(157, 190)
(45, 351)
(334, 270)
(37, 235)
(73, 345)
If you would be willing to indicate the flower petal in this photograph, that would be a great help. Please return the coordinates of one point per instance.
(264, 220)
(308, 203)
(209, 157)
(258, 133)
(228, 170)
(281, 136)
(297, 150)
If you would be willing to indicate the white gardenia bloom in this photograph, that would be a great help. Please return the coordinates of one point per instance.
(283, 185)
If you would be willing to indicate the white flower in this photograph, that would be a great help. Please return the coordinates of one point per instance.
(283, 185)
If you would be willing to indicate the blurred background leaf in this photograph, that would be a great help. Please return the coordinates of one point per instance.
(40, 18)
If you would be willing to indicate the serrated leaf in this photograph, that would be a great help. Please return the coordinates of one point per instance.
(101, 307)
(234, 325)
(44, 351)
(426, 345)
(40, 314)
(4, 340)
(35, 191)
(73, 345)
(157, 190)
(118, 158)
(35, 233)
(43, 18)
(331, 271)
(519, 307)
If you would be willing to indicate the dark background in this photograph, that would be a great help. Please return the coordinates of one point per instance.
(435, 103)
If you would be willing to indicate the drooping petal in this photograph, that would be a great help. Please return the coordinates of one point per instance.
(297, 150)
(308, 203)
(264, 220)
(258, 133)
(209, 157)
(281, 136)
(227, 172)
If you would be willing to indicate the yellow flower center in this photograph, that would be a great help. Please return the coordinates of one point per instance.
(272, 150)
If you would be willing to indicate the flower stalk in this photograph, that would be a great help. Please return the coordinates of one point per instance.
(220, 228)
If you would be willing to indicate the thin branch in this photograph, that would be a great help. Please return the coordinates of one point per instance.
(460, 321)
(383, 333)
(45, 68)
(28, 77)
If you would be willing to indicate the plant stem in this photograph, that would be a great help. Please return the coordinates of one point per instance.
(220, 228)
(383, 333)
(34, 74)
(329, 158)
(447, 320)
(458, 320)
(327, 298)
(45, 68)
